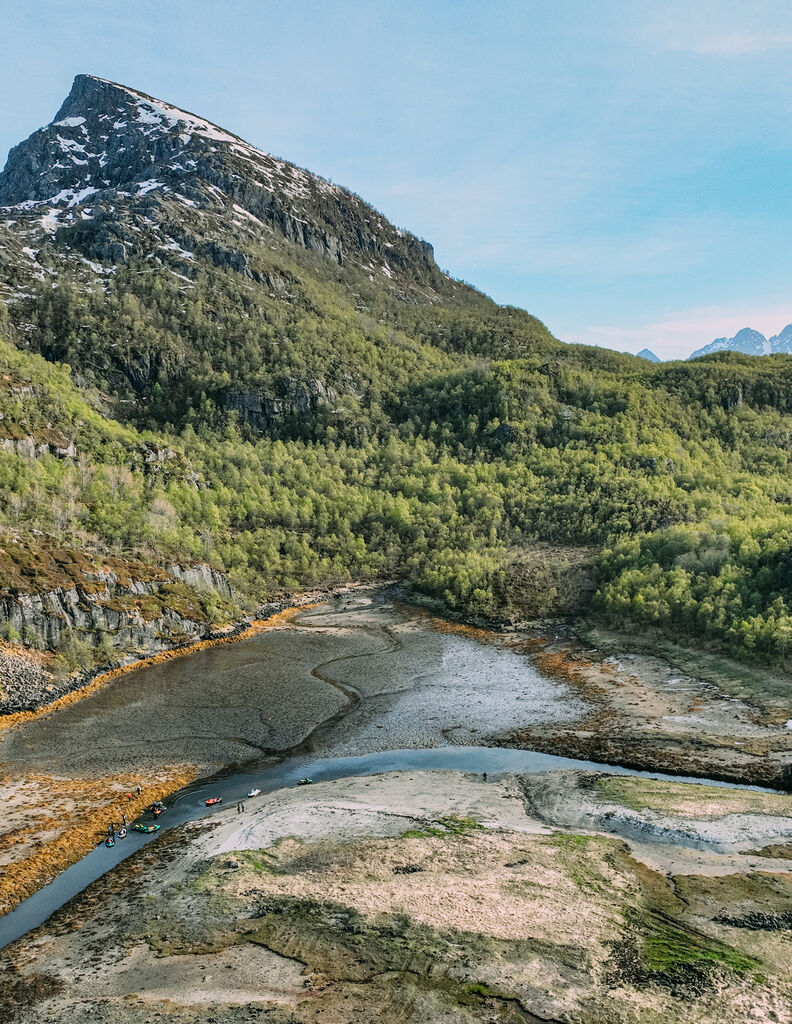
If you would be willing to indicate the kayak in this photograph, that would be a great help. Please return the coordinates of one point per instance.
(305, 782)
(146, 828)
(213, 800)
(254, 792)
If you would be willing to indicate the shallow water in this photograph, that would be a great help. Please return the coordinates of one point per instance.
(188, 804)
(354, 687)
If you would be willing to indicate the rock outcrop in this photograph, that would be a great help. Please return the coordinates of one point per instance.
(51, 595)
(262, 410)
(24, 682)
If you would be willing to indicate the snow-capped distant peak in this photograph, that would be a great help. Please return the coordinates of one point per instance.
(747, 341)
(750, 343)
(782, 342)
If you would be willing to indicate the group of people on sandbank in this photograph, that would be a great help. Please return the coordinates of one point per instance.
(118, 830)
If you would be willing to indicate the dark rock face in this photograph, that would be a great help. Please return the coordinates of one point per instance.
(109, 606)
(759, 921)
(24, 682)
(260, 410)
(100, 174)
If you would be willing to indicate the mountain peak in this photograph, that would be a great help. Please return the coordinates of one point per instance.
(93, 95)
(99, 120)
(116, 162)
(747, 340)
(647, 353)
(782, 342)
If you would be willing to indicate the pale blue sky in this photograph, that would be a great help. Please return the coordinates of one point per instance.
(620, 168)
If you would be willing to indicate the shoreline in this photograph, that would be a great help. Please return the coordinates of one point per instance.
(82, 832)
(517, 874)
(283, 611)
(608, 732)
(95, 800)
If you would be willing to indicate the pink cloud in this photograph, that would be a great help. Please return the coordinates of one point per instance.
(681, 334)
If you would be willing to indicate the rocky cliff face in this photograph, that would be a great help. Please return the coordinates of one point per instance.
(107, 173)
(50, 595)
(262, 410)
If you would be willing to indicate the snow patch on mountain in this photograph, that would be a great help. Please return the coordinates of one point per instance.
(750, 343)
(147, 167)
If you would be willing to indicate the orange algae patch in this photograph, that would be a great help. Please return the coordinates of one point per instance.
(257, 626)
(50, 822)
(483, 636)
(559, 665)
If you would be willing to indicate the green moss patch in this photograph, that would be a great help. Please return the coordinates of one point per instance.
(449, 825)
(687, 801)
(669, 947)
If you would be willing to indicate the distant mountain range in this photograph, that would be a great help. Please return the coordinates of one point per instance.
(749, 342)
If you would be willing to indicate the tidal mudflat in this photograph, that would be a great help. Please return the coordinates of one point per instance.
(414, 894)
(361, 673)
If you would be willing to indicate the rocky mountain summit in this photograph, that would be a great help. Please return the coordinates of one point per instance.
(750, 343)
(118, 173)
(208, 251)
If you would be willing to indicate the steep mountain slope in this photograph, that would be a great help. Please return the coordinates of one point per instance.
(647, 353)
(194, 269)
(267, 378)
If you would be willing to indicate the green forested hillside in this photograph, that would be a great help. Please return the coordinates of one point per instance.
(436, 464)
(213, 355)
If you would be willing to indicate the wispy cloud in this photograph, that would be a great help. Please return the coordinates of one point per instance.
(678, 336)
(733, 44)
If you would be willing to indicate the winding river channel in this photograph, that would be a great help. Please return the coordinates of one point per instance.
(358, 686)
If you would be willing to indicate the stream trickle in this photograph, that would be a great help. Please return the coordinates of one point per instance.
(400, 689)
(189, 804)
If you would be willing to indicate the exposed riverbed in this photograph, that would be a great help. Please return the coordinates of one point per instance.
(391, 679)
(365, 684)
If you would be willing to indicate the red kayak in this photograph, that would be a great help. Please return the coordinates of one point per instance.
(214, 800)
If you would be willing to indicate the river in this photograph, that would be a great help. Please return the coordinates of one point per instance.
(358, 686)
